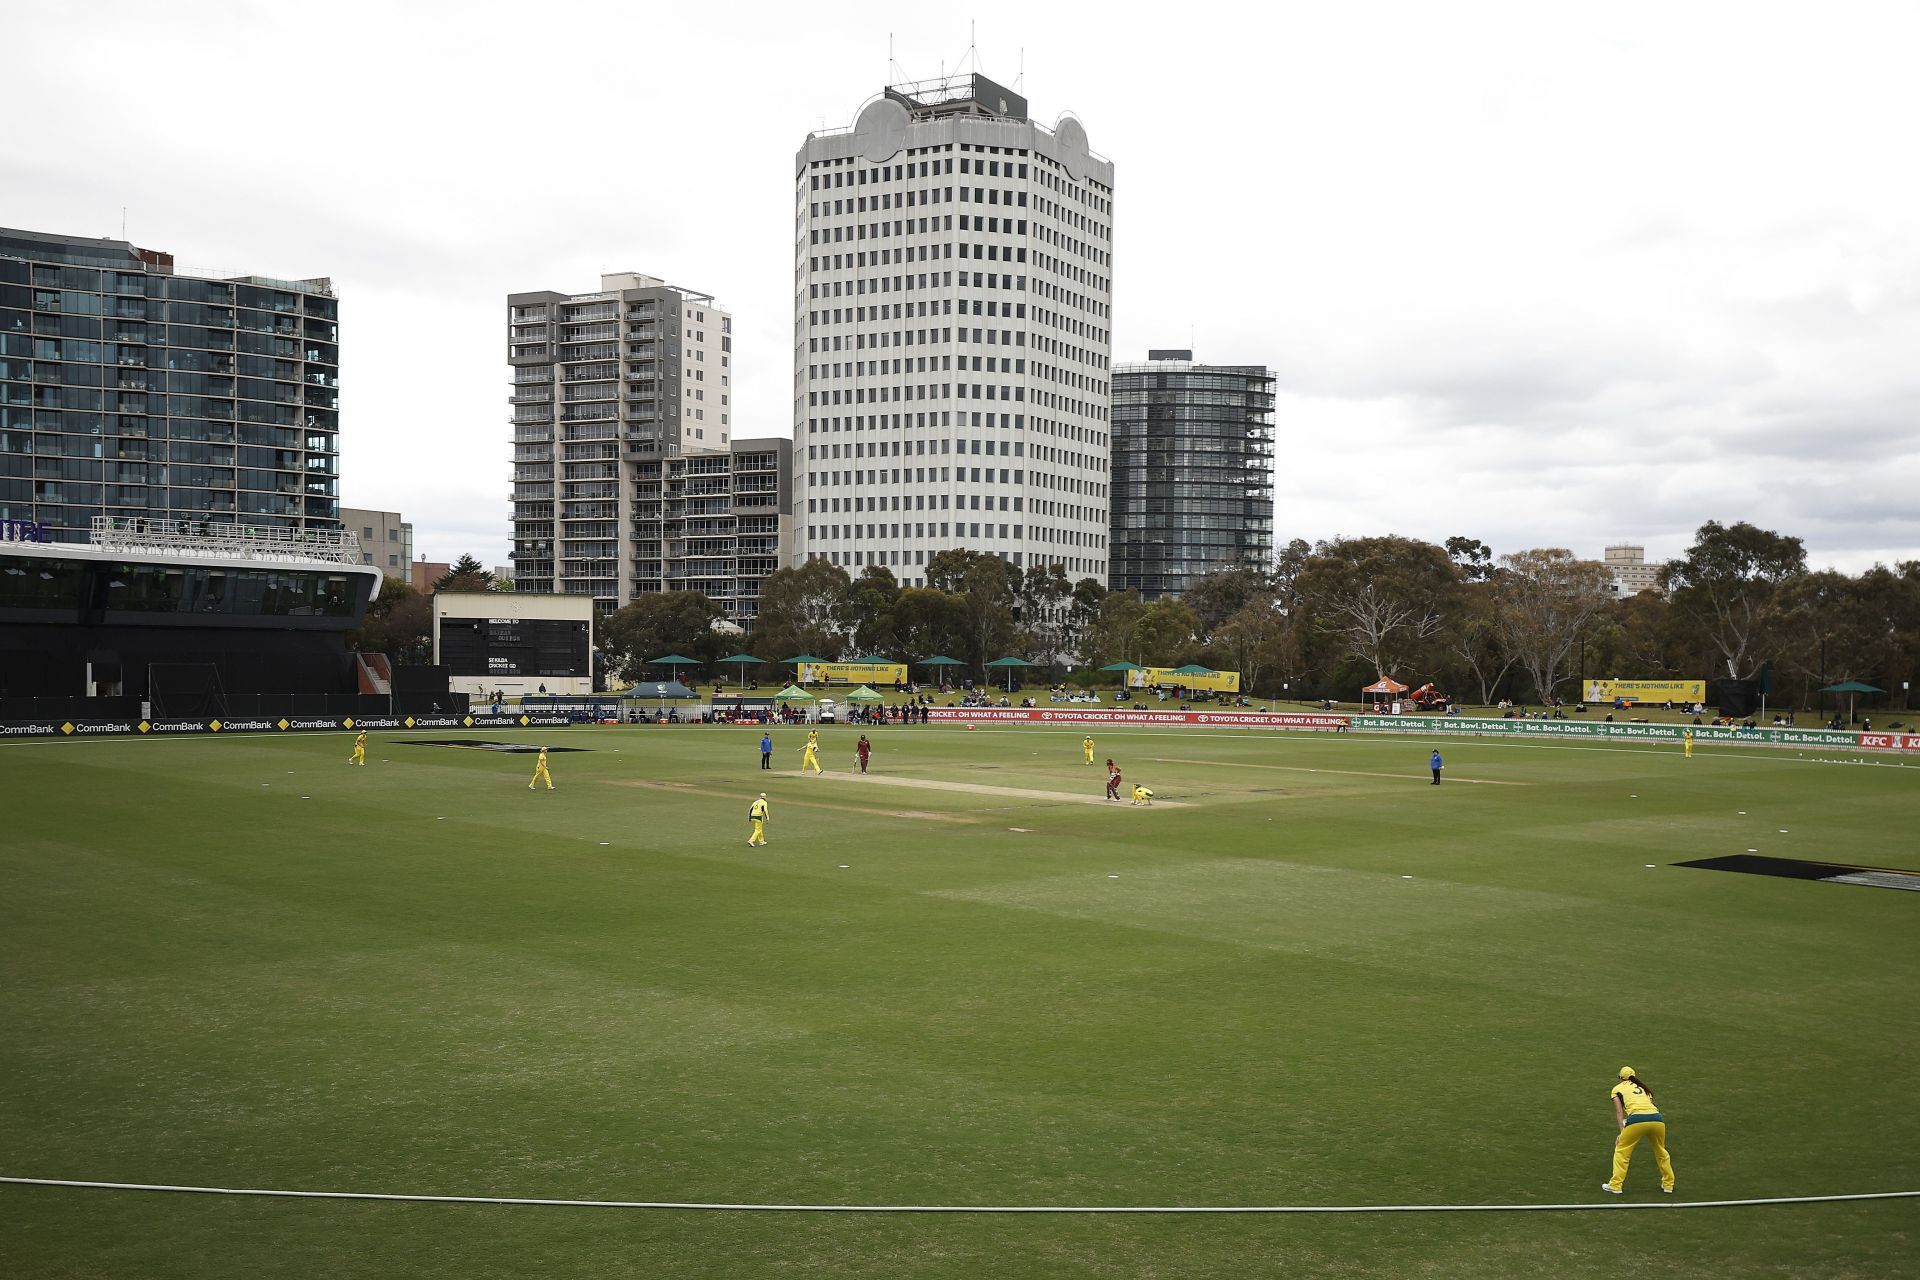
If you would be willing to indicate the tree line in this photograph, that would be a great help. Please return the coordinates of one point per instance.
(1325, 619)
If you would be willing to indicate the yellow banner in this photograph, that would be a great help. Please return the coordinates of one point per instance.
(1646, 690)
(877, 674)
(1167, 678)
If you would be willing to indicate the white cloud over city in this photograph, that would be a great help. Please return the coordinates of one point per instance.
(1539, 276)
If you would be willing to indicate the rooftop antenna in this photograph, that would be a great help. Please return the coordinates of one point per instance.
(123, 222)
(1020, 81)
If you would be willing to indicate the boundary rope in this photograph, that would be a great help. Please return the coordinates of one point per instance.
(951, 1208)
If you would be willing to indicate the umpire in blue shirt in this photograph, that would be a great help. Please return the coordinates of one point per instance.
(1433, 763)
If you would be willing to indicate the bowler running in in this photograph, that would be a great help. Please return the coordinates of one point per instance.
(812, 752)
(1086, 745)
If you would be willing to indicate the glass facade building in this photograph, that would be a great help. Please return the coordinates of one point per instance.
(129, 390)
(1192, 471)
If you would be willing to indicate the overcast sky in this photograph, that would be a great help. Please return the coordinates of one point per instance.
(1543, 275)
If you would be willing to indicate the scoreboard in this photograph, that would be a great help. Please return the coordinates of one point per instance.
(488, 647)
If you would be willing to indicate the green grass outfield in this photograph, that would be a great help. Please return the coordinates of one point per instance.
(238, 962)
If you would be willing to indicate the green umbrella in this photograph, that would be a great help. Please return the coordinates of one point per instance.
(864, 694)
(793, 693)
(740, 660)
(877, 660)
(1010, 664)
(940, 660)
(673, 660)
(1123, 666)
(1851, 688)
(1194, 669)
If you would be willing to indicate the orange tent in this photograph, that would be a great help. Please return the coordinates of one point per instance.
(1385, 684)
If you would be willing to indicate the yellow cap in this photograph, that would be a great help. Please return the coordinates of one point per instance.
(1625, 1072)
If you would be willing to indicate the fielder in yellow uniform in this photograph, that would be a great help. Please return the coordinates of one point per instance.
(757, 814)
(359, 755)
(1142, 796)
(540, 773)
(1688, 736)
(1639, 1119)
(812, 749)
(1086, 744)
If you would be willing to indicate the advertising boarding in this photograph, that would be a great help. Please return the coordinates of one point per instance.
(1645, 690)
(1095, 715)
(1168, 678)
(873, 673)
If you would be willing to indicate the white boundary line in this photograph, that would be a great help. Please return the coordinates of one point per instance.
(955, 1208)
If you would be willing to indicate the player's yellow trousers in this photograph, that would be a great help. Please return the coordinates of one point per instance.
(541, 775)
(812, 758)
(359, 756)
(759, 835)
(1654, 1131)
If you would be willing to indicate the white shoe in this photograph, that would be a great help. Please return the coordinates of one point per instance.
(1666, 1191)
(1608, 1188)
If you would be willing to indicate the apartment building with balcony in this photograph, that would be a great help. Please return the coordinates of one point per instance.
(637, 370)
(717, 522)
(1192, 471)
(129, 389)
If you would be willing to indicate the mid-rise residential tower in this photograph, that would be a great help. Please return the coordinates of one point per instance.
(1192, 471)
(715, 521)
(638, 369)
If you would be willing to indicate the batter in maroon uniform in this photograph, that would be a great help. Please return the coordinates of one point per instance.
(863, 749)
(1113, 780)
